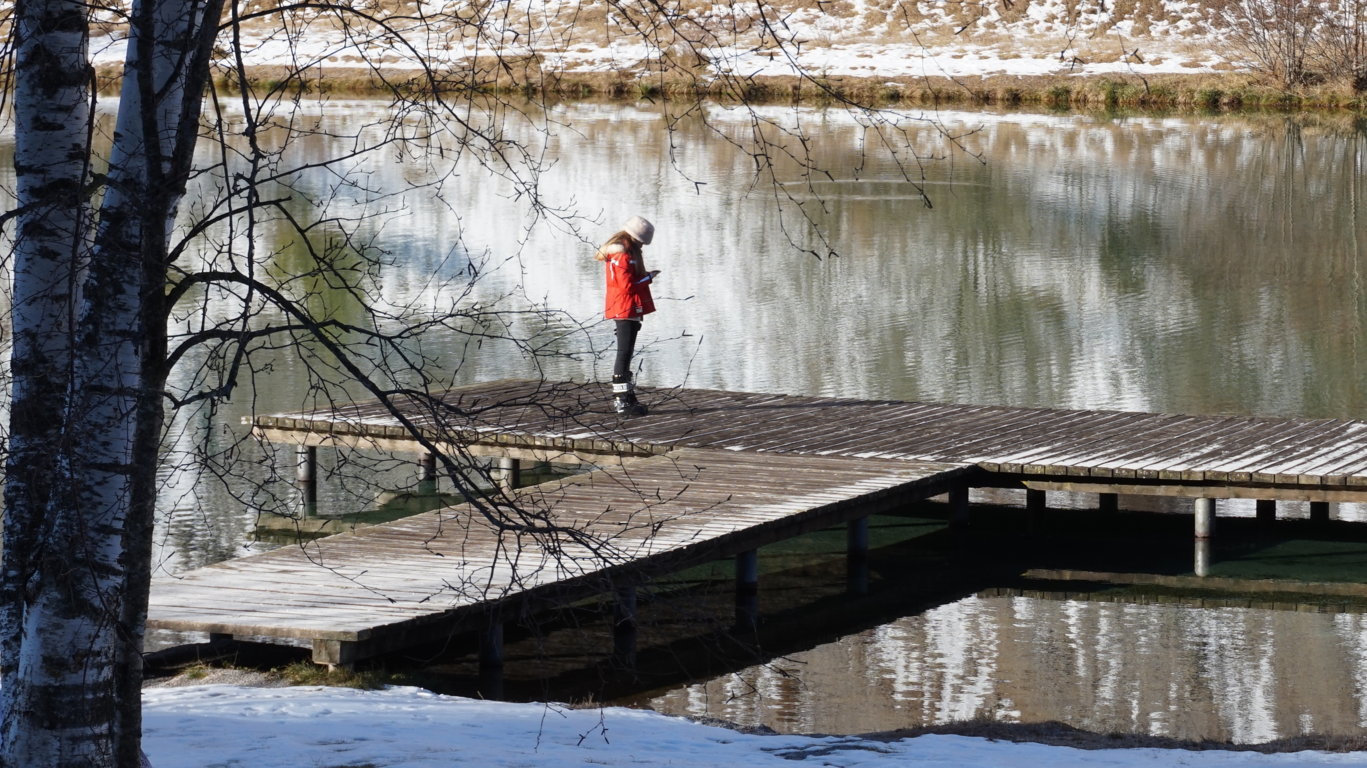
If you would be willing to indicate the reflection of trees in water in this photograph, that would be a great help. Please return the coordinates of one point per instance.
(1195, 265)
(1165, 264)
(1175, 265)
(1228, 674)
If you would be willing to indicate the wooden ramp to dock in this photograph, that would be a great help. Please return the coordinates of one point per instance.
(422, 578)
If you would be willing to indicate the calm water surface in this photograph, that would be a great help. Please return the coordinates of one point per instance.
(1245, 675)
(1192, 265)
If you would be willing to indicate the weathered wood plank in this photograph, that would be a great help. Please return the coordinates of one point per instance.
(1048, 457)
(742, 469)
(1128, 457)
(1179, 458)
(1112, 444)
(1076, 454)
(999, 450)
(1282, 443)
(446, 564)
(933, 436)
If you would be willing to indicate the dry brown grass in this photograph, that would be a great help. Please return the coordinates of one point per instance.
(1221, 91)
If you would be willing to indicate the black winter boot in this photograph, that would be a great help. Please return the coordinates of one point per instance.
(624, 397)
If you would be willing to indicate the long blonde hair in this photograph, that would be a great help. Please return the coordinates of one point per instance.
(629, 244)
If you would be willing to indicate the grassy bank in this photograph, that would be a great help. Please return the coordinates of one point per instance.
(1195, 92)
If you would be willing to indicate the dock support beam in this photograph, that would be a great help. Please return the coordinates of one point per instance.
(508, 473)
(336, 653)
(958, 506)
(1319, 511)
(306, 473)
(1205, 518)
(1108, 503)
(857, 557)
(491, 660)
(747, 590)
(1201, 558)
(1035, 504)
(1267, 511)
(624, 626)
(427, 481)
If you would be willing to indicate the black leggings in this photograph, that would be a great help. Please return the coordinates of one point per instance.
(626, 343)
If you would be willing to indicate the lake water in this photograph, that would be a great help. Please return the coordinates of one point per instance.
(1205, 265)
(1231, 674)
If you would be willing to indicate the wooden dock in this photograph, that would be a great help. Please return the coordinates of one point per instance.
(419, 579)
(1048, 449)
(706, 475)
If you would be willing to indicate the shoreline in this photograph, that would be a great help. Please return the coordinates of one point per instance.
(1203, 92)
(1219, 92)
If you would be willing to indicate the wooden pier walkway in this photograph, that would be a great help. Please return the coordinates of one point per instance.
(707, 474)
(419, 579)
(1051, 449)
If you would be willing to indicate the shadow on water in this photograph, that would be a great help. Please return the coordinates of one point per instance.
(686, 627)
(917, 563)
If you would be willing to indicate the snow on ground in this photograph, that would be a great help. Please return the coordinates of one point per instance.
(866, 38)
(225, 726)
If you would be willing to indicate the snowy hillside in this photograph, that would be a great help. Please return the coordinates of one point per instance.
(866, 38)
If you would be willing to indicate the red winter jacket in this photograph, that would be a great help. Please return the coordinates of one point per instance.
(628, 294)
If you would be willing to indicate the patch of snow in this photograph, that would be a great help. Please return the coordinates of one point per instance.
(1045, 39)
(226, 725)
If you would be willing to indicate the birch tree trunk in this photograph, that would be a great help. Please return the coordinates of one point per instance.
(52, 123)
(88, 408)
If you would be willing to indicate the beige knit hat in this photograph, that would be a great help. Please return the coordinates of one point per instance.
(640, 229)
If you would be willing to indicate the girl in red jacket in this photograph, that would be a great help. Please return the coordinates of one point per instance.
(628, 300)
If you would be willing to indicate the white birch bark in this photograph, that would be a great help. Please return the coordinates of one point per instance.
(52, 119)
(72, 687)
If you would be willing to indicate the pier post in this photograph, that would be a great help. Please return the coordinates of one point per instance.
(336, 654)
(1266, 512)
(1108, 503)
(1205, 518)
(427, 482)
(1319, 511)
(1201, 558)
(306, 473)
(857, 557)
(747, 590)
(624, 626)
(508, 473)
(958, 506)
(1035, 504)
(491, 659)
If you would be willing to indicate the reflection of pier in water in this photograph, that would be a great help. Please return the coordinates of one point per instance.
(708, 474)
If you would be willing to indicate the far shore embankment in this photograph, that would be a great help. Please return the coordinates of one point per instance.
(1186, 92)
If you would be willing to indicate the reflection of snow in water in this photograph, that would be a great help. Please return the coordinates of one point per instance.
(946, 672)
(1352, 631)
(1247, 675)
